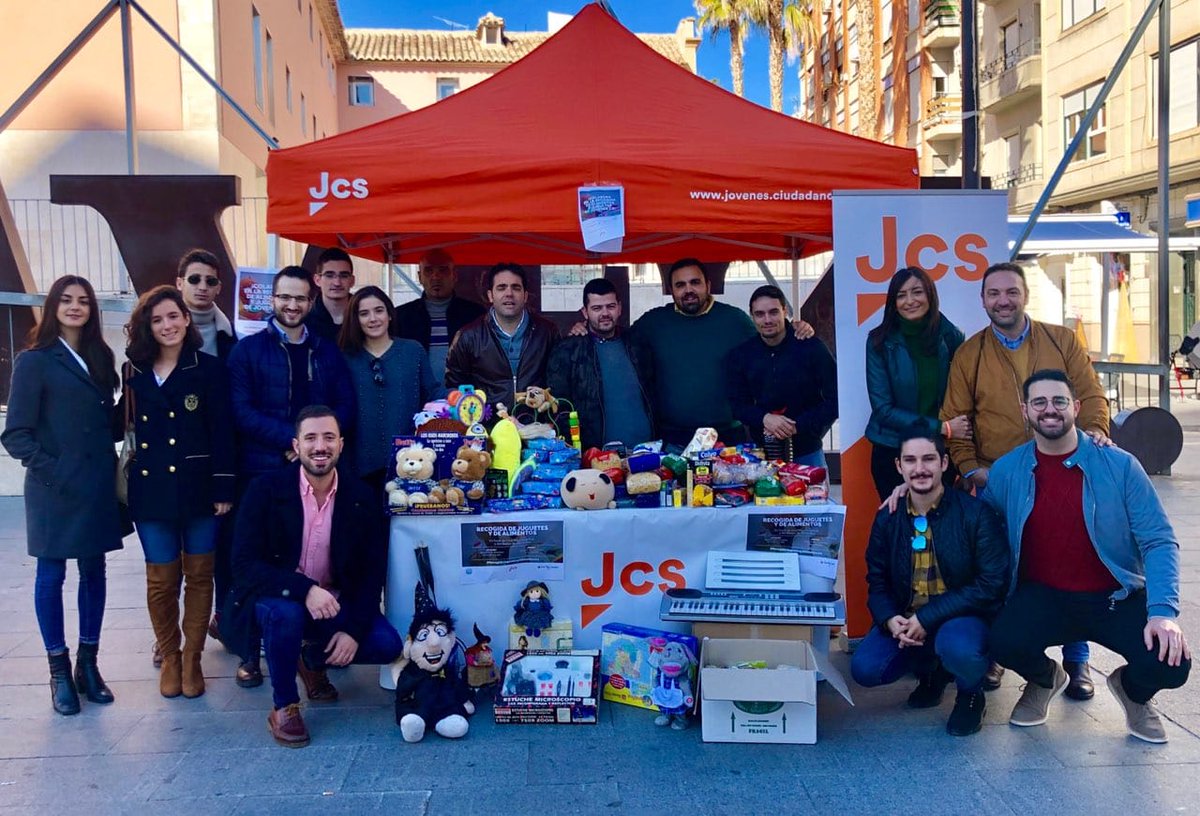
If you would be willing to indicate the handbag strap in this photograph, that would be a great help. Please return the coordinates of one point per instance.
(126, 373)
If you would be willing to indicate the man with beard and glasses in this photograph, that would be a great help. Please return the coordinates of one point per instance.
(1093, 558)
(599, 374)
(937, 572)
(310, 556)
(985, 385)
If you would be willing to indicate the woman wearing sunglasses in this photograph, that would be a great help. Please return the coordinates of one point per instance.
(908, 363)
(181, 480)
(392, 380)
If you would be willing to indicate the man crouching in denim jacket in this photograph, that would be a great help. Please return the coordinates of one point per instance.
(1093, 558)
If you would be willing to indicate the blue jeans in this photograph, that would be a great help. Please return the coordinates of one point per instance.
(48, 601)
(960, 643)
(286, 624)
(162, 541)
(814, 459)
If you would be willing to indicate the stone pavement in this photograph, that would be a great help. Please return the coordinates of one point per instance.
(213, 755)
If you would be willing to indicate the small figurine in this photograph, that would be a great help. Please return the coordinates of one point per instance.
(533, 610)
(481, 662)
(430, 690)
(539, 399)
(673, 663)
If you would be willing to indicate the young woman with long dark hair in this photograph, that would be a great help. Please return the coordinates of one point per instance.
(908, 362)
(60, 427)
(181, 480)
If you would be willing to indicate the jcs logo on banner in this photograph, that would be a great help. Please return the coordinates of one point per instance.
(340, 188)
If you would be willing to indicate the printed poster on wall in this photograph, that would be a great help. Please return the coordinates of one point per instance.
(254, 306)
(602, 217)
(512, 550)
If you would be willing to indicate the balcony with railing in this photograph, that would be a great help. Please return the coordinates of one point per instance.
(1014, 77)
(943, 25)
(943, 117)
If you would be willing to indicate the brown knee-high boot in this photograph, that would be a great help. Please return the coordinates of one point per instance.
(162, 599)
(197, 608)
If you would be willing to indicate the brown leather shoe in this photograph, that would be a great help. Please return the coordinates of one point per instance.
(287, 727)
(316, 684)
(249, 675)
(991, 680)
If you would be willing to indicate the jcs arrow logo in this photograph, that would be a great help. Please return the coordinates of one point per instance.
(338, 188)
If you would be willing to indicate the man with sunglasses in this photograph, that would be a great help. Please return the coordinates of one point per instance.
(334, 279)
(936, 574)
(1093, 557)
(199, 282)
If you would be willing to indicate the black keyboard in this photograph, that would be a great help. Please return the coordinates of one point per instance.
(814, 608)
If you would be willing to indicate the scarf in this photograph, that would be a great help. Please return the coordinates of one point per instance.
(210, 323)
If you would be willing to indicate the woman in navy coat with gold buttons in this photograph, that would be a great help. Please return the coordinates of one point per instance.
(60, 427)
(181, 478)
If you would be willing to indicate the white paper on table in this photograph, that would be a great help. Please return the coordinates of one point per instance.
(602, 217)
(818, 566)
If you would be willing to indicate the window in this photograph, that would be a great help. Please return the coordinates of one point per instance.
(270, 59)
(256, 32)
(1012, 153)
(310, 22)
(854, 116)
(314, 130)
(1076, 11)
(889, 121)
(331, 76)
(491, 35)
(362, 92)
(1185, 87)
(303, 116)
(1011, 43)
(914, 97)
(914, 15)
(321, 47)
(287, 87)
(885, 20)
(852, 50)
(1074, 107)
(446, 86)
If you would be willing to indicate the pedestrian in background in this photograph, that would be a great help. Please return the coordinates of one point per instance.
(60, 426)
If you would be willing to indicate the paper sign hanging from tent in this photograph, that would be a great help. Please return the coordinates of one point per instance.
(602, 217)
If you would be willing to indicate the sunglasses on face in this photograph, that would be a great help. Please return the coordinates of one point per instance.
(1040, 403)
(921, 540)
(194, 280)
(377, 372)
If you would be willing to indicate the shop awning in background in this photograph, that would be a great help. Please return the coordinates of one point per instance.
(1082, 233)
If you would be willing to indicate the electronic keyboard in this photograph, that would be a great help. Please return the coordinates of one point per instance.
(812, 608)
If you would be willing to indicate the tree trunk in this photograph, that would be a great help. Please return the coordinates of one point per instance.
(735, 57)
(775, 65)
(868, 76)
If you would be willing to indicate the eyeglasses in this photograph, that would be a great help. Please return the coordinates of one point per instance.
(292, 298)
(1040, 403)
(921, 540)
(209, 280)
(331, 275)
(377, 371)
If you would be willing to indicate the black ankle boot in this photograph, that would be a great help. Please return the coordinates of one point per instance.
(63, 695)
(87, 675)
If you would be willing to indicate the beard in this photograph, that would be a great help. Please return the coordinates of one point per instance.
(1063, 427)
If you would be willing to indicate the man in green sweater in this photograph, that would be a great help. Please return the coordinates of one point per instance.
(685, 344)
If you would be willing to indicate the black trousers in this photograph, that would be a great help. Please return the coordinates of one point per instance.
(1037, 616)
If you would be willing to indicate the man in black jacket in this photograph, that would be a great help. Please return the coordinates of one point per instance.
(937, 572)
(505, 350)
(436, 317)
(334, 279)
(598, 373)
(309, 557)
(783, 389)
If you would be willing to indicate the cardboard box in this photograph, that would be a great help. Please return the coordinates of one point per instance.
(776, 705)
(548, 688)
(626, 672)
(752, 631)
(560, 637)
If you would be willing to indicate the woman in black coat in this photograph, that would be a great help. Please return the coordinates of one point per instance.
(60, 427)
(181, 479)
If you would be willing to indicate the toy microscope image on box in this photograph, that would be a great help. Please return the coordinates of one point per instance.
(548, 688)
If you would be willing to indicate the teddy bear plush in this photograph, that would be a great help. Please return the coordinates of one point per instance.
(414, 476)
(469, 467)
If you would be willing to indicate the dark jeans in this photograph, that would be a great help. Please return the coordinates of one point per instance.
(959, 643)
(286, 624)
(163, 541)
(1036, 617)
(48, 600)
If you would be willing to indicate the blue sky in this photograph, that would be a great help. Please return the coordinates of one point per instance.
(650, 16)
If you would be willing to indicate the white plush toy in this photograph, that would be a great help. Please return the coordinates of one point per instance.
(588, 489)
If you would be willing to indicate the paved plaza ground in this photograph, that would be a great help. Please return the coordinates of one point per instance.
(213, 755)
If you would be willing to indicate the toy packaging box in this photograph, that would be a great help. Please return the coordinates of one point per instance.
(548, 688)
(559, 637)
(626, 670)
(445, 445)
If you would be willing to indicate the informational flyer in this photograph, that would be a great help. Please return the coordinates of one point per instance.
(602, 217)
(512, 551)
(254, 305)
(814, 533)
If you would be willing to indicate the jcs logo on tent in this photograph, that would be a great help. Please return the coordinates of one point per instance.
(336, 187)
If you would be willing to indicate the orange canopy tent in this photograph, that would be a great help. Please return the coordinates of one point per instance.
(492, 173)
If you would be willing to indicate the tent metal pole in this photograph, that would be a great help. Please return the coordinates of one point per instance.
(131, 147)
(795, 253)
(1085, 125)
(1164, 203)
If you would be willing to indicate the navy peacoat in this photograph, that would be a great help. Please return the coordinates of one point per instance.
(60, 426)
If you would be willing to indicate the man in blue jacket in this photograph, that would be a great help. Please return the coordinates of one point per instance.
(1093, 558)
(273, 374)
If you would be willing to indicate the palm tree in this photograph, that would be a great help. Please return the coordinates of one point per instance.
(800, 32)
(727, 15)
(767, 15)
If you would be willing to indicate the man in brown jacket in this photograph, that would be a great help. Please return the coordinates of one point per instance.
(985, 385)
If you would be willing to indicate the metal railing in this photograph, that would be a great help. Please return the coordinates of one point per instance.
(1131, 385)
(1010, 59)
(940, 14)
(941, 108)
(1022, 175)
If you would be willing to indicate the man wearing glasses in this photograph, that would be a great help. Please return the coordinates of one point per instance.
(937, 572)
(985, 385)
(1093, 557)
(273, 375)
(335, 279)
(200, 284)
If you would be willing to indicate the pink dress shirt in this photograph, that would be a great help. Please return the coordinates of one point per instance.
(318, 520)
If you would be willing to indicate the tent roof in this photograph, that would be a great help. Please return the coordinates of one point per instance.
(1074, 233)
(491, 173)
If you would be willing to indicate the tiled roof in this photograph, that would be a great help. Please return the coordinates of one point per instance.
(331, 18)
(416, 46)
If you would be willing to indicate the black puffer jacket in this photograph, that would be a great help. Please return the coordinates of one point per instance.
(972, 556)
(476, 358)
(573, 373)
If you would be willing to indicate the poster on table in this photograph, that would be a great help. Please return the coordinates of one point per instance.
(954, 235)
(254, 306)
(602, 217)
(814, 533)
(512, 551)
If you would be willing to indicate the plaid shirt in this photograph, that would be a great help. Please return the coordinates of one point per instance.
(926, 579)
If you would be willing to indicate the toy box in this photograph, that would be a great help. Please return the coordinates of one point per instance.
(558, 638)
(444, 445)
(626, 671)
(548, 688)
